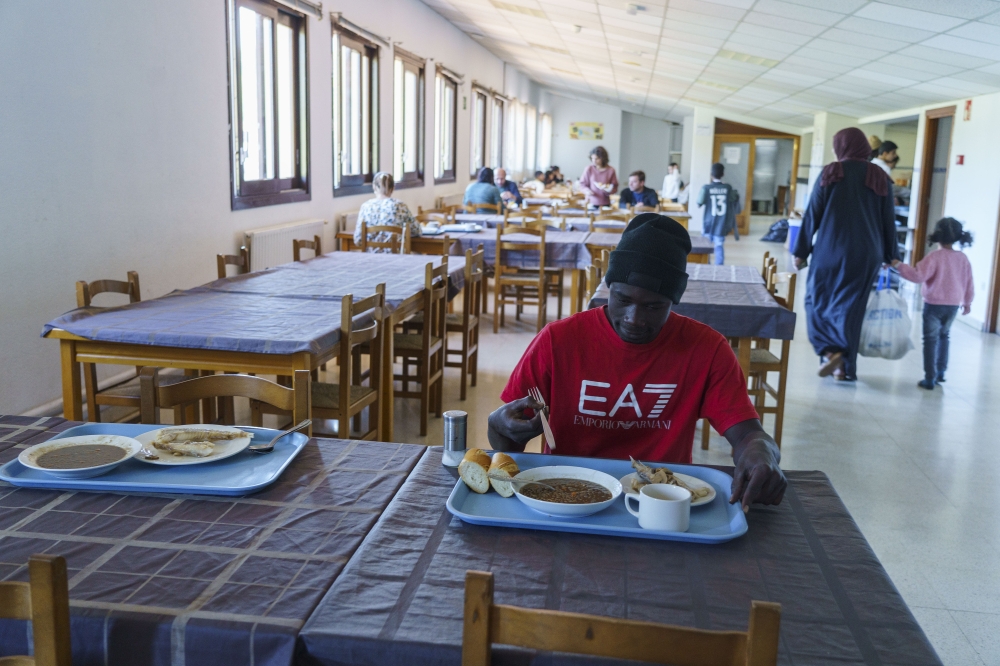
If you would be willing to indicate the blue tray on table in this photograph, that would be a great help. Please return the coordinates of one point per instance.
(242, 474)
(715, 522)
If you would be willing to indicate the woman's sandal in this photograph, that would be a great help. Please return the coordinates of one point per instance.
(833, 362)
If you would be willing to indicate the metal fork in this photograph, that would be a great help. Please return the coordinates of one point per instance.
(536, 395)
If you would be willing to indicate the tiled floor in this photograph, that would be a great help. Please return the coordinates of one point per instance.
(917, 469)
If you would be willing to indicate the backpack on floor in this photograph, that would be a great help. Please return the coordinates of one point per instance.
(777, 233)
(885, 332)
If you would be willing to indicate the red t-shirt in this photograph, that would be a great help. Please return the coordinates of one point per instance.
(611, 399)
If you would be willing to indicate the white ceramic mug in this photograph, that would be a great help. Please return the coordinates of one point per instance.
(662, 507)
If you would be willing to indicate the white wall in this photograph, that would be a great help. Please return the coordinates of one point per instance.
(572, 154)
(117, 114)
(645, 146)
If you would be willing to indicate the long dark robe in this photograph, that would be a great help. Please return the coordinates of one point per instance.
(855, 234)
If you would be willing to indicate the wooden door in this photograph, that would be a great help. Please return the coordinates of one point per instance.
(736, 153)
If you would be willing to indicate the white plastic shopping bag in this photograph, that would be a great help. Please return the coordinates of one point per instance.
(886, 329)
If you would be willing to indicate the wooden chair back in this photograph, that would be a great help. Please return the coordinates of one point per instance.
(86, 291)
(608, 216)
(518, 245)
(241, 261)
(475, 275)
(441, 217)
(788, 300)
(556, 631)
(436, 245)
(44, 601)
(435, 301)
(447, 212)
(601, 260)
(478, 207)
(642, 208)
(670, 206)
(398, 242)
(521, 217)
(314, 245)
(351, 337)
(764, 263)
(178, 396)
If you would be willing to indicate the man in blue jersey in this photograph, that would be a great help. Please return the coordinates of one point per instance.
(722, 203)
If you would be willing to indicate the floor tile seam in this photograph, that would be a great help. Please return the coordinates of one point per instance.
(958, 624)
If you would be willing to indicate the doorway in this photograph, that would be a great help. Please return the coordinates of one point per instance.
(933, 176)
(739, 148)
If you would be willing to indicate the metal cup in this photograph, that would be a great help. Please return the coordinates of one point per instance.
(455, 426)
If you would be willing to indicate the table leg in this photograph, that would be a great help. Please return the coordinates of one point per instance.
(386, 382)
(72, 403)
(577, 287)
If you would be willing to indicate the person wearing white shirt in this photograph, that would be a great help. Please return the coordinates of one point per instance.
(672, 183)
(538, 184)
(886, 157)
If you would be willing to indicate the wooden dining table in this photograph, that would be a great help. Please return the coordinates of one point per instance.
(270, 322)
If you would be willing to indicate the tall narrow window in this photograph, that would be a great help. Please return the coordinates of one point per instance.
(478, 136)
(268, 102)
(355, 113)
(496, 132)
(408, 121)
(544, 142)
(531, 139)
(515, 137)
(445, 110)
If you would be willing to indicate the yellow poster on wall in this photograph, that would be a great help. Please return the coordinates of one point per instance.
(587, 131)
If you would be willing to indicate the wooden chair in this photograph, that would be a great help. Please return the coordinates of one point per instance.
(608, 217)
(763, 361)
(397, 243)
(44, 601)
(444, 214)
(522, 218)
(467, 324)
(426, 349)
(641, 208)
(347, 398)
(557, 631)
(475, 208)
(241, 261)
(125, 393)
(298, 245)
(515, 285)
(345, 242)
(178, 396)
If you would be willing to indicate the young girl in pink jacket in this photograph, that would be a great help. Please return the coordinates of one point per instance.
(946, 275)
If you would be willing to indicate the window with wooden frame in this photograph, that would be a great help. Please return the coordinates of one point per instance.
(445, 111)
(480, 99)
(408, 120)
(496, 131)
(355, 113)
(269, 127)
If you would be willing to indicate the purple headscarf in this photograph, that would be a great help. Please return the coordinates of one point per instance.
(851, 144)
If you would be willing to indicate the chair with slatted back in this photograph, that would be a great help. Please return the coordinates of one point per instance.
(241, 261)
(519, 286)
(486, 623)
(615, 217)
(672, 207)
(467, 323)
(184, 394)
(124, 393)
(299, 245)
(426, 350)
(385, 238)
(642, 208)
(763, 361)
(522, 218)
(554, 285)
(443, 214)
(45, 602)
(481, 208)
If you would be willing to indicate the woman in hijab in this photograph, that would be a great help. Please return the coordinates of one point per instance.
(851, 216)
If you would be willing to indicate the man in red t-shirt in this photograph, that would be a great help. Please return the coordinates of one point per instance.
(632, 379)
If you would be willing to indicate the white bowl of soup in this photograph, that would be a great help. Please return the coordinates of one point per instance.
(79, 457)
(567, 491)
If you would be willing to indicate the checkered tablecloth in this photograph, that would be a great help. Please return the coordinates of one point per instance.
(400, 600)
(190, 581)
(713, 273)
(563, 249)
(699, 244)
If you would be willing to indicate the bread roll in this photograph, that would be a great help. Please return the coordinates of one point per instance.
(503, 465)
(474, 470)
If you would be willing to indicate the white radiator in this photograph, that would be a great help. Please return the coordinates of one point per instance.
(272, 246)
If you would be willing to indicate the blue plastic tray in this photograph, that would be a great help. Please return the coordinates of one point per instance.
(715, 522)
(241, 474)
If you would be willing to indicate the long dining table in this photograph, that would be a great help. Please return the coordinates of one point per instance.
(272, 322)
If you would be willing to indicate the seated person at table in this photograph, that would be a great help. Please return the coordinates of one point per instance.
(554, 176)
(508, 188)
(632, 379)
(483, 191)
(537, 185)
(383, 210)
(638, 193)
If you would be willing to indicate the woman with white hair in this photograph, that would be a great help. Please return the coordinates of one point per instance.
(384, 210)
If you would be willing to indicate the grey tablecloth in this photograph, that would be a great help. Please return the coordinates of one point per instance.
(196, 581)
(699, 244)
(713, 273)
(736, 310)
(563, 249)
(286, 309)
(399, 601)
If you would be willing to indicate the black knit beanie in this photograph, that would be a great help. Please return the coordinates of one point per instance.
(652, 254)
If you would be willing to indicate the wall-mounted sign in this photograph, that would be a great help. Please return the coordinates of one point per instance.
(587, 131)
(731, 154)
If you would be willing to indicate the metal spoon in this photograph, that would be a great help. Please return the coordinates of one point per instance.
(267, 448)
(514, 479)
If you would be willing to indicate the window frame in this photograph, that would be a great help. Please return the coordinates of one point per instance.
(483, 137)
(447, 175)
(497, 130)
(411, 62)
(246, 194)
(346, 185)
